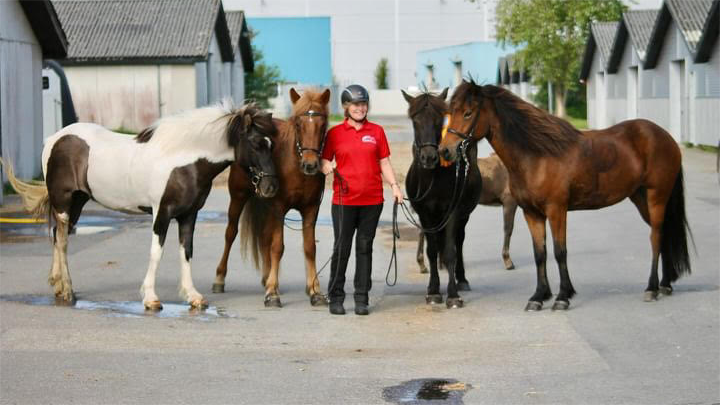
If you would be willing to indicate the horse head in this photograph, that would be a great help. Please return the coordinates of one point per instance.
(310, 118)
(427, 112)
(251, 133)
(470, 118)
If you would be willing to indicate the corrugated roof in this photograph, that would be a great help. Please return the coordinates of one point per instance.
(117, 30)
(640, 24)
(604, 33)
(240, 38)
(711, 31)
(46, 26)
(690, 17)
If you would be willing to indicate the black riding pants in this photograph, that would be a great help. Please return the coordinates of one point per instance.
(346, 220)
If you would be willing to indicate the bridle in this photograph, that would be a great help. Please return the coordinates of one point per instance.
(300, 147)
(257, 174)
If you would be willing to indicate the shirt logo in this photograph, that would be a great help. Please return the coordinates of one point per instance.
(369, 139)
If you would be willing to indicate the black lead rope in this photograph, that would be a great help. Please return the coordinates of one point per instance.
(393, 256)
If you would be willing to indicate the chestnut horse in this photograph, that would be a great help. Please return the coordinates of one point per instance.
(443, 197)
(555, 168)
(297, 160)
(166, 171)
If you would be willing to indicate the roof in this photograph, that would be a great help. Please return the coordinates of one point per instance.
(709, 34)
(46, 26)
(688, 15)
(143, 30)
(637, 25)
(601, 38)
(240, 38)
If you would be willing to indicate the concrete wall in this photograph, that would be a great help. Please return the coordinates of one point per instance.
(20, 92)
(363, 32)
(130, 97)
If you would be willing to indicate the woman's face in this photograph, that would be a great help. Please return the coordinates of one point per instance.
(358, 111)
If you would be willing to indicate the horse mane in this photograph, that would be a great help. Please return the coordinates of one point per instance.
(236, 122)
(523, 125)
(427, 99)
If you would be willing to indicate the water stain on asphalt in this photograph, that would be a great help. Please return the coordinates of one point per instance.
(427, 390)
(128, 309)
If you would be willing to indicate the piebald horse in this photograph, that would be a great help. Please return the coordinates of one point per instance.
(166, 170)
(297, 159)
(555, 168)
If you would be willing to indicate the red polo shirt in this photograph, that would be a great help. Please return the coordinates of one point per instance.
(357, 155)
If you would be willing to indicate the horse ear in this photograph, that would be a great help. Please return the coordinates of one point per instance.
(443, 95)
(294, 96)
(325, 97)
(247, 121)
(408, 97)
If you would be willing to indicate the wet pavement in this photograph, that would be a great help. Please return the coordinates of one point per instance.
(610, 347)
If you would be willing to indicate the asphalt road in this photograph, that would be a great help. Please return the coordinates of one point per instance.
(610, 347)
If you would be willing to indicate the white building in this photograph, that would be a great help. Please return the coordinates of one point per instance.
(363, 32)
(29, 33)
(161, 57)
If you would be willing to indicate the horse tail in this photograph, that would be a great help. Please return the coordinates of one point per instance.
(675, 232)
(252, 222)
(35, 196)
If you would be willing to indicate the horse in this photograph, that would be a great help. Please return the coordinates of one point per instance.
(495, 191)
(554, 168)
(297, 158)
(166, 171)
(442, 197)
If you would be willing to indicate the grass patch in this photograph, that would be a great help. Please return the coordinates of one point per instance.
(336, 117)
(123, 130)
(579, 123)
(705, 148)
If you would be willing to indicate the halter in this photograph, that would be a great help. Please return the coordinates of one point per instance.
(256, 176)
(300, 148)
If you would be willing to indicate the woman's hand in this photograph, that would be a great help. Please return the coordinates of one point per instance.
(397, 193)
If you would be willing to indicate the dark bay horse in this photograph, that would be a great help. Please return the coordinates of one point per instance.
(555, 168)
(431, 187)
(166, 170)
(297, 159)
(495, 192)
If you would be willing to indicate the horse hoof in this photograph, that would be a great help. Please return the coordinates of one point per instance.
(65, 300)
(273, 301)
(218, 288)
(434, 299)
(200, 303)
(666, 290)
(463, 286)
(318, 300)
(533, 306)
(454, 303)
(650, 296)
(423, 270)
(154, 306)
(561, 305)
(510, 266)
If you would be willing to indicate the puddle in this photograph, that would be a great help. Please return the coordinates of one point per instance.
(427, 390)
(127, 309)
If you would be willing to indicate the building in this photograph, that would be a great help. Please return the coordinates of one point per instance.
(363, 32)
(29, 32)
(515, 78)
(663, 66)
(243, 61)
(130, 62)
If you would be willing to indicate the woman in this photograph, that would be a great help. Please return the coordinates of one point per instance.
(361, 155)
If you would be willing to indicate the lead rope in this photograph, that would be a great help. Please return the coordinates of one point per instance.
(393, 256)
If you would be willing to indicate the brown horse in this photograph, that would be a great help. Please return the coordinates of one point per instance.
(555, 168)
(296, 155)
(495, 191)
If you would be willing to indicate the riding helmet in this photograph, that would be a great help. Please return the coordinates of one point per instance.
(355, 93)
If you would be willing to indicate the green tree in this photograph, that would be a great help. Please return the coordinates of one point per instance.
(261, 83)
(381, 73)
(552, 35)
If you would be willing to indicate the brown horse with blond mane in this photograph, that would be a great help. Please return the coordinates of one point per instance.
(555, 168)
(296, 155)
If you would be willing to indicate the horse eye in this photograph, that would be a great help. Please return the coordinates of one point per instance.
(467, 115)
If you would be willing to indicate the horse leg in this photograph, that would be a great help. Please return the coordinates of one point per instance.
(161, 221)
(536, 224)
(558, 226)
(60, 275)
(419, 256)
(312, 286)
(450, 258)
(277, 248)
(186, 229)
(509, 208)
(656, 212)
(462, 282)
(640, 199)
(433, 292)
(234, 210)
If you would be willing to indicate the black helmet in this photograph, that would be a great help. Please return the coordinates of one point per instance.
(355, 93)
